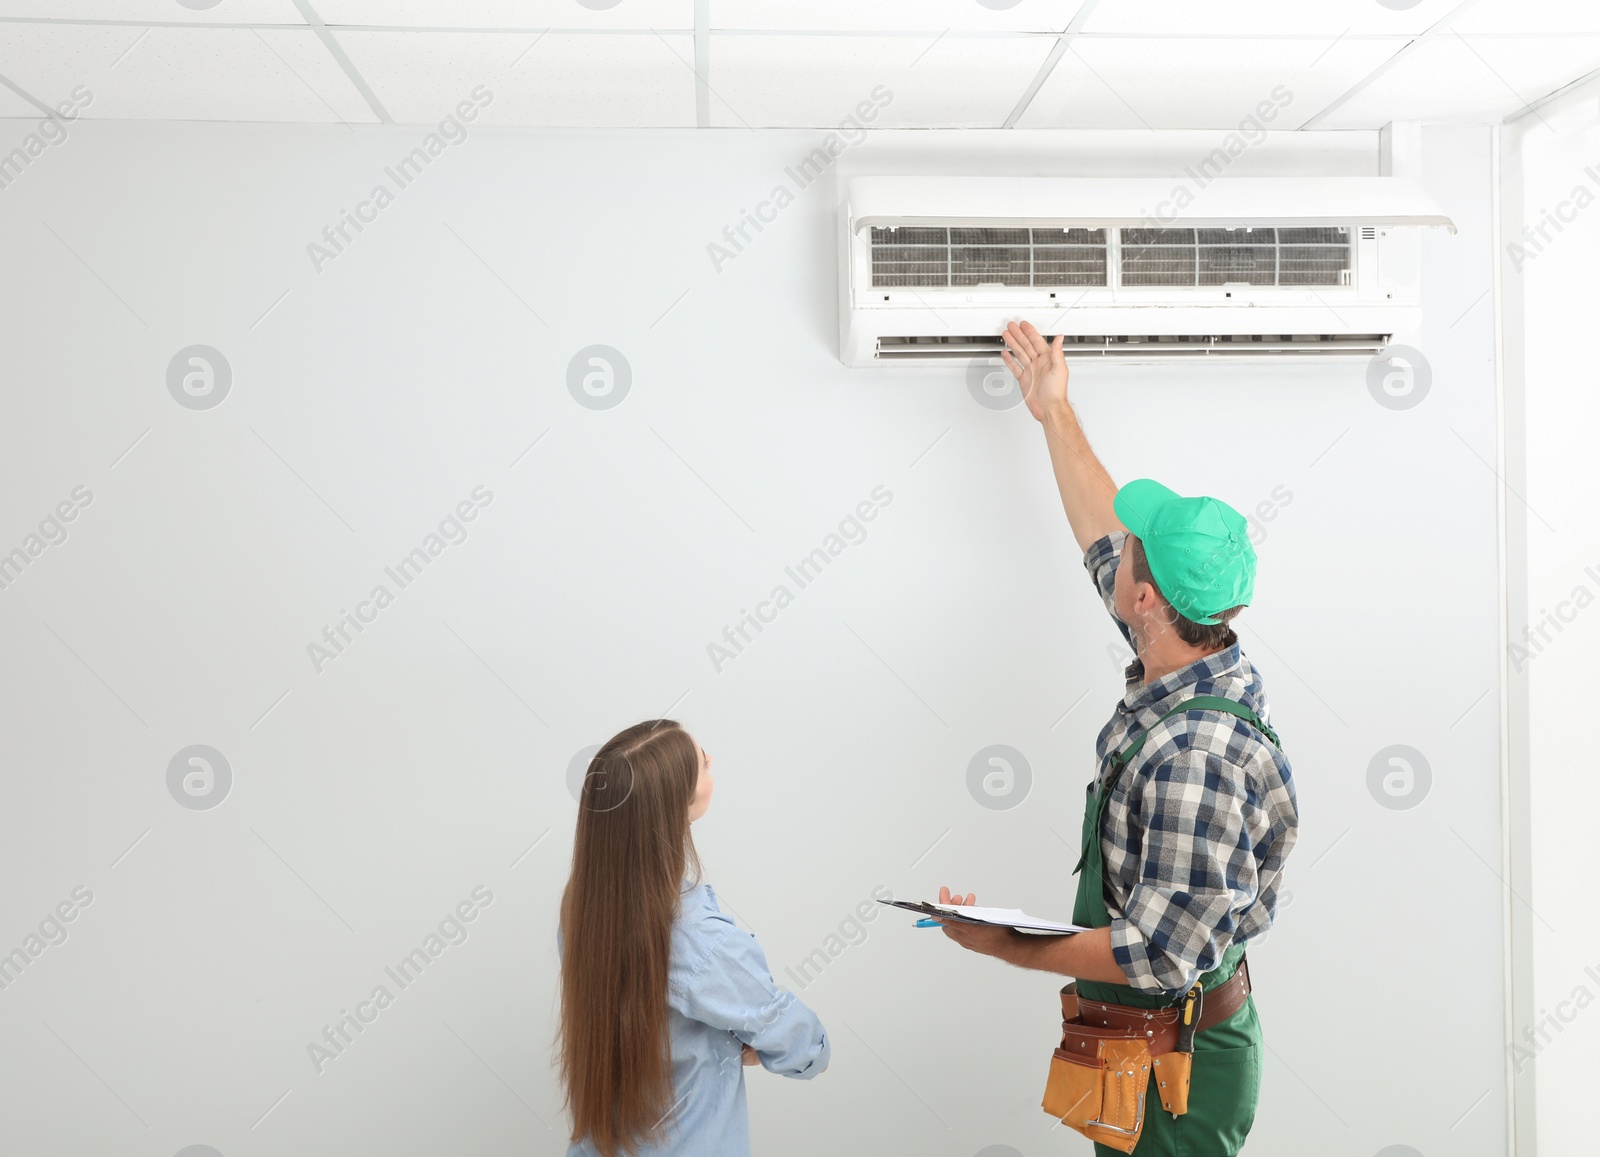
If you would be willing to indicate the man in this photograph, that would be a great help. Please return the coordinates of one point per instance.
(1192, 814)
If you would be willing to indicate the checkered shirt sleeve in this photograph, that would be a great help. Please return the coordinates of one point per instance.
(1101, 561)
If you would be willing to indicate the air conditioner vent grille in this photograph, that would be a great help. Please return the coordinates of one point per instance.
(919, 257)
(1245, 256)
(912, 257)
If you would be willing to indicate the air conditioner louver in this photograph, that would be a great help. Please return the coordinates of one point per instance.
(1148, 347)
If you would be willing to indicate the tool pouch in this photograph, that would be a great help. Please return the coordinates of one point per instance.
(1101, 1095)
(1172, 1069)
(1172, 1080)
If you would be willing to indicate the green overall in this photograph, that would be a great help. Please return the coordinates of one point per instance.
(1226, 1076)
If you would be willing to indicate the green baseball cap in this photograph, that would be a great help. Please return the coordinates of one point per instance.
(1198, 548)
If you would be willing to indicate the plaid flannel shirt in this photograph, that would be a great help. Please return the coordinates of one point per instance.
(1197, 830)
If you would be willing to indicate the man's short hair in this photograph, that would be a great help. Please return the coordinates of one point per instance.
(1212, 637)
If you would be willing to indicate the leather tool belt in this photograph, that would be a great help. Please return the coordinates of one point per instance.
(1100, 1073)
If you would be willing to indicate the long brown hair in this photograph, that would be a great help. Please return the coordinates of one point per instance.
(629, 860)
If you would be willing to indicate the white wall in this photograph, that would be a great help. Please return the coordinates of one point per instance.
(429, 758)
(1551, 285)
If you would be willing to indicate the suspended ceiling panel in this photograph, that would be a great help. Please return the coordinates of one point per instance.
(920, 16)
(797, 63)
(1267, 18)
(511, 14)
(1179, 84)
(158, 11)
(762, 81)
(1455, 79)
(1521, 18)
(556, 78)
(167, 73)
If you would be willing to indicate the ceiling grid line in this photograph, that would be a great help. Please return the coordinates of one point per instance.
(1531, 108)
(702, 64)
(292, 72)
(1063, 42)
(27, 96)
(342, 60)
(1410, 46)
(1511, 88)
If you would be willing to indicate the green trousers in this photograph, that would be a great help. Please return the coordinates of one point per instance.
(1223, 1086)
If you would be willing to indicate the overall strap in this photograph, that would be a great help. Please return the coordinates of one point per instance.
(1122, 758)
(1198, 703)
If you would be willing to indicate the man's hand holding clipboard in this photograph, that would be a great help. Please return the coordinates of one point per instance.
(981, 938)
(1019, 939)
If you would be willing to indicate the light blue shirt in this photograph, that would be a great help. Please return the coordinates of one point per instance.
(720, 997)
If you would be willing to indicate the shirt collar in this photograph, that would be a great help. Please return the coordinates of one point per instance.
(1167, 692)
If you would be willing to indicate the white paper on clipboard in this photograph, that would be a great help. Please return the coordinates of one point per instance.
(995, 917)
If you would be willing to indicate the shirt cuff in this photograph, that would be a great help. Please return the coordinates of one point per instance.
(1133, 955)
(1103, 550)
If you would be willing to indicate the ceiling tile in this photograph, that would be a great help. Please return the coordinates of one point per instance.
(1164, 84)
(1244, 18)
(813, 81)
(1546, 18)
(510, 14)
(932, 16)
(182, 73)
(160, 11)
(1453, 79)
(558, 78)
(318, 75)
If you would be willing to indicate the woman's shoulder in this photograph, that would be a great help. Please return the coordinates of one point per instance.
(698, 910)
(701, 931)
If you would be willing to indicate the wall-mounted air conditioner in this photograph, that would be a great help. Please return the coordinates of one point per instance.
(934, 267)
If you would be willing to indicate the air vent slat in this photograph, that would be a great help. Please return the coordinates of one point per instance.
(1158, 257)
(912, 235)
(1236, 264)
(1313, 265)
(923, 347)
(989, 237)
(1313, 236)
(1069, 265)
(998, 264)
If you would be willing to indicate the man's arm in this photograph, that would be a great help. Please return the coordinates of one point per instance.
(1086, 955)
(1086, 486)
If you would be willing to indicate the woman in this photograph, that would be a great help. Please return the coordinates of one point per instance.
(662, 996)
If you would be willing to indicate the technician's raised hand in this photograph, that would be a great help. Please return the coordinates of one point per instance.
(1087, 491)
(1038, 365)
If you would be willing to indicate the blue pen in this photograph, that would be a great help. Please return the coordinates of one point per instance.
(926, 923)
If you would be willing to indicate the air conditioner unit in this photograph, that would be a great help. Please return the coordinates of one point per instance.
(934, 267)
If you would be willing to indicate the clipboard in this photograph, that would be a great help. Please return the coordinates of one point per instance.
(991, 917)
